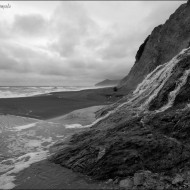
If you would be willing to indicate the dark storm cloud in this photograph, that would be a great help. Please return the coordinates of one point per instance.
(7, 62)
(71, 24)
(159, 12)
(32, 24)
(120, 46)
(74, 45)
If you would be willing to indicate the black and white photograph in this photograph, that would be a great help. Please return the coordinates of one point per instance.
(95, 95)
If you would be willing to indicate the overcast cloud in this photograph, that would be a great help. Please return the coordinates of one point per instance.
(74, 43)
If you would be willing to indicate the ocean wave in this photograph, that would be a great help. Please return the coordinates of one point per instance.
(21, 163)
(15, 92)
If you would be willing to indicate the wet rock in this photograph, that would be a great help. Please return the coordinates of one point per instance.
(186, 176)
(133, 138)
(160, 186)
(130, 147)
(138, 179)
(163, 44)
(177, 179)
(168, 186)
(162, 98)
(109, 181)
(101, 153)
(166, 179)
(126, 183)
(116, 181)
(147, 173)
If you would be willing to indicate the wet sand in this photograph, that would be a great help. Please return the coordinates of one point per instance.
(46, 175)
(44, 122)
(25, 145)
(58, 103)
(83, 116)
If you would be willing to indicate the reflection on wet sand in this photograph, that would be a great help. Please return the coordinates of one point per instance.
(25, 141)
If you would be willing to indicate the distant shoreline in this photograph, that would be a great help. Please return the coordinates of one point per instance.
(55, 104)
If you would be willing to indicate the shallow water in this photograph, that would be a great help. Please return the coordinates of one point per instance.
(46, 175)
(25, 91)
(26, 143)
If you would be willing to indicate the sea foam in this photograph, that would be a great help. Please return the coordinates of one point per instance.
(21, 163)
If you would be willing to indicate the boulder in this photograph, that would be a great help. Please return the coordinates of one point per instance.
(139, 179)
(177, 179)
(126, 183)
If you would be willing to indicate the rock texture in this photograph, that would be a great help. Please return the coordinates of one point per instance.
(163, 44)
(142, 141)
(108, 82)
(147, 131)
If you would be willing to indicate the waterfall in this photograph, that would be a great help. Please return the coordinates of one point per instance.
(152, 84)
(172, 95)
(149, 88)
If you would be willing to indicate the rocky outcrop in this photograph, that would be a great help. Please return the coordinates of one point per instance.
(188, 3)
(141, 49)
(128, 148)
(108, 82)
(145, 179)
(141, 141)
(163, 44)
(147, 131)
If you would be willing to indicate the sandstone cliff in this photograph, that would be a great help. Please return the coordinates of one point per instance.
(163, 44)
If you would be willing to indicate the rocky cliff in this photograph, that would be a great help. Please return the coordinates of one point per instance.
(163, 44)
(149, 131)
(142, 141)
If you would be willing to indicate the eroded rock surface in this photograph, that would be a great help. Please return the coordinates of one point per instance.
(163, 44)
(133, 137)
(143, 140)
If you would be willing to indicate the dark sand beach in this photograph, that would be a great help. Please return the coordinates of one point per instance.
(46, 175)
(54, 112)
(57, 103)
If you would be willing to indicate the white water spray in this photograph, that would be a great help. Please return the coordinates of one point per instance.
(149, 88)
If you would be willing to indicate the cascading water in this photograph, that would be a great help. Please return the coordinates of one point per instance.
(149, 88)
(154, 82)
(172, 95)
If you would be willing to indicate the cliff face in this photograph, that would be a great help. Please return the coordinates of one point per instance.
(149, 130)
(144, 138)
(163, 44)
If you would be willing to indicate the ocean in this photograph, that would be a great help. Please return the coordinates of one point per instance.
(26, 143)
(25, 91)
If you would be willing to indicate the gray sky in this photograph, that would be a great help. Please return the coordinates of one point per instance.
(74, 43)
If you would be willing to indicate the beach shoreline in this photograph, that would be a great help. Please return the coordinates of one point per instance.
(57, 113)
(25, 170)
(36, 177)
(56, 117)
(57, 104)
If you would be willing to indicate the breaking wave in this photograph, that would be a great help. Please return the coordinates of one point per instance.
(12, 92)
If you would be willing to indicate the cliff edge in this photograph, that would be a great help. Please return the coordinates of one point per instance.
(161, 45)
(142, 141)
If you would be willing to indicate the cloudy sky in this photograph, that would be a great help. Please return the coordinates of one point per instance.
(74, 43)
